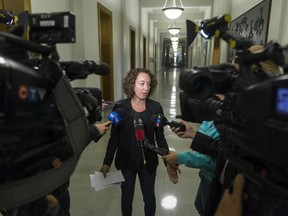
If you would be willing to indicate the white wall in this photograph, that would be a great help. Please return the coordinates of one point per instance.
(238, 7)
(86, 47)
(47, 6)
(66, 51)
(124, 16)
(221, 7)
(151, 46)
(143, 33)
(278, 26)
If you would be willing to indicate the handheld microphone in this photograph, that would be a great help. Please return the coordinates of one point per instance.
(160, 151)
(140, 136)
(115, 116)
(81, 69)
(139, 133)
(144, 142)
(160, 121)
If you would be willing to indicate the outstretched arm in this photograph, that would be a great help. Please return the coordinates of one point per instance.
(98, 130)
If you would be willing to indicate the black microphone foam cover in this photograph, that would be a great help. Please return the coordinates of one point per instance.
(97, 67)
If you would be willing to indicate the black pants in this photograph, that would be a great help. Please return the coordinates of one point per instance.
(147, 183)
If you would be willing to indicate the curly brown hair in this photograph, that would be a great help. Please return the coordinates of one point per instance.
(129, 81)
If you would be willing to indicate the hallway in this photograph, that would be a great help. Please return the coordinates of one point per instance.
(171, 199)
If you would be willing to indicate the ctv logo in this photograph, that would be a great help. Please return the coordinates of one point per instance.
(30, 93)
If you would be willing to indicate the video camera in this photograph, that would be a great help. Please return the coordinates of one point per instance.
(251, 120)
(40, 112)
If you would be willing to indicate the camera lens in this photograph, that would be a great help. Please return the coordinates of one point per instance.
(197, 83)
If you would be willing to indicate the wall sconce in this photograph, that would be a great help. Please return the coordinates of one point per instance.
(172, 11)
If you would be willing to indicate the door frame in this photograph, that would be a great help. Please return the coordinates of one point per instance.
(105, 30)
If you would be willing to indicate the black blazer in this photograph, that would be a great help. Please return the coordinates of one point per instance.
(120, 136)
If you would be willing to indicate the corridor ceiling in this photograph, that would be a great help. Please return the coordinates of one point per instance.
(195, 10)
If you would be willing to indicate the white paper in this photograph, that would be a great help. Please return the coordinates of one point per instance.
(98, 182)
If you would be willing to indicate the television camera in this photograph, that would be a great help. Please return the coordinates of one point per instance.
(251, 120)
(41, 113)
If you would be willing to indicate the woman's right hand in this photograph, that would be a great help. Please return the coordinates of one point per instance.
(105, 169)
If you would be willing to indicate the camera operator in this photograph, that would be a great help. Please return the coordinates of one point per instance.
(225, 171)
(251, 120)
(62, 193)
(62, 152)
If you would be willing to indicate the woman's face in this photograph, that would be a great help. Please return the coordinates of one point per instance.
(142, 86)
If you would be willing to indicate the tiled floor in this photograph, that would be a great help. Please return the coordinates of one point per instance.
(172, 199)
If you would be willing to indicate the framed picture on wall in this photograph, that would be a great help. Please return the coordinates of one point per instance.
(253, 24)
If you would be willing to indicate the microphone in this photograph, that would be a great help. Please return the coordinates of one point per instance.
(140, 137)
(115, 116)
(144, 142)
(81, 69)
(139, 133)
(97, 67)
(160, 121)
(160, 151)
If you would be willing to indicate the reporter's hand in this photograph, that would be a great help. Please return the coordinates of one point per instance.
(56, 162)
(173, 173)
(171, 158)
(188, 133)
(231, 203)
(103, 127)
(105, 169)
(52, 200)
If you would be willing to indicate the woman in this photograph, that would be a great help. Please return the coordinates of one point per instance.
(138, 85)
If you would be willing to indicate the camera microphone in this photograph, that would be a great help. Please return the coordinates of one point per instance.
(160, 120)
(115, 116)
(96, 67)
(81, 69)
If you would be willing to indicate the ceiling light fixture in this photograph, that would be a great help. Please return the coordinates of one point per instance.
(172, 11)
(174, 29)
(174, 38)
